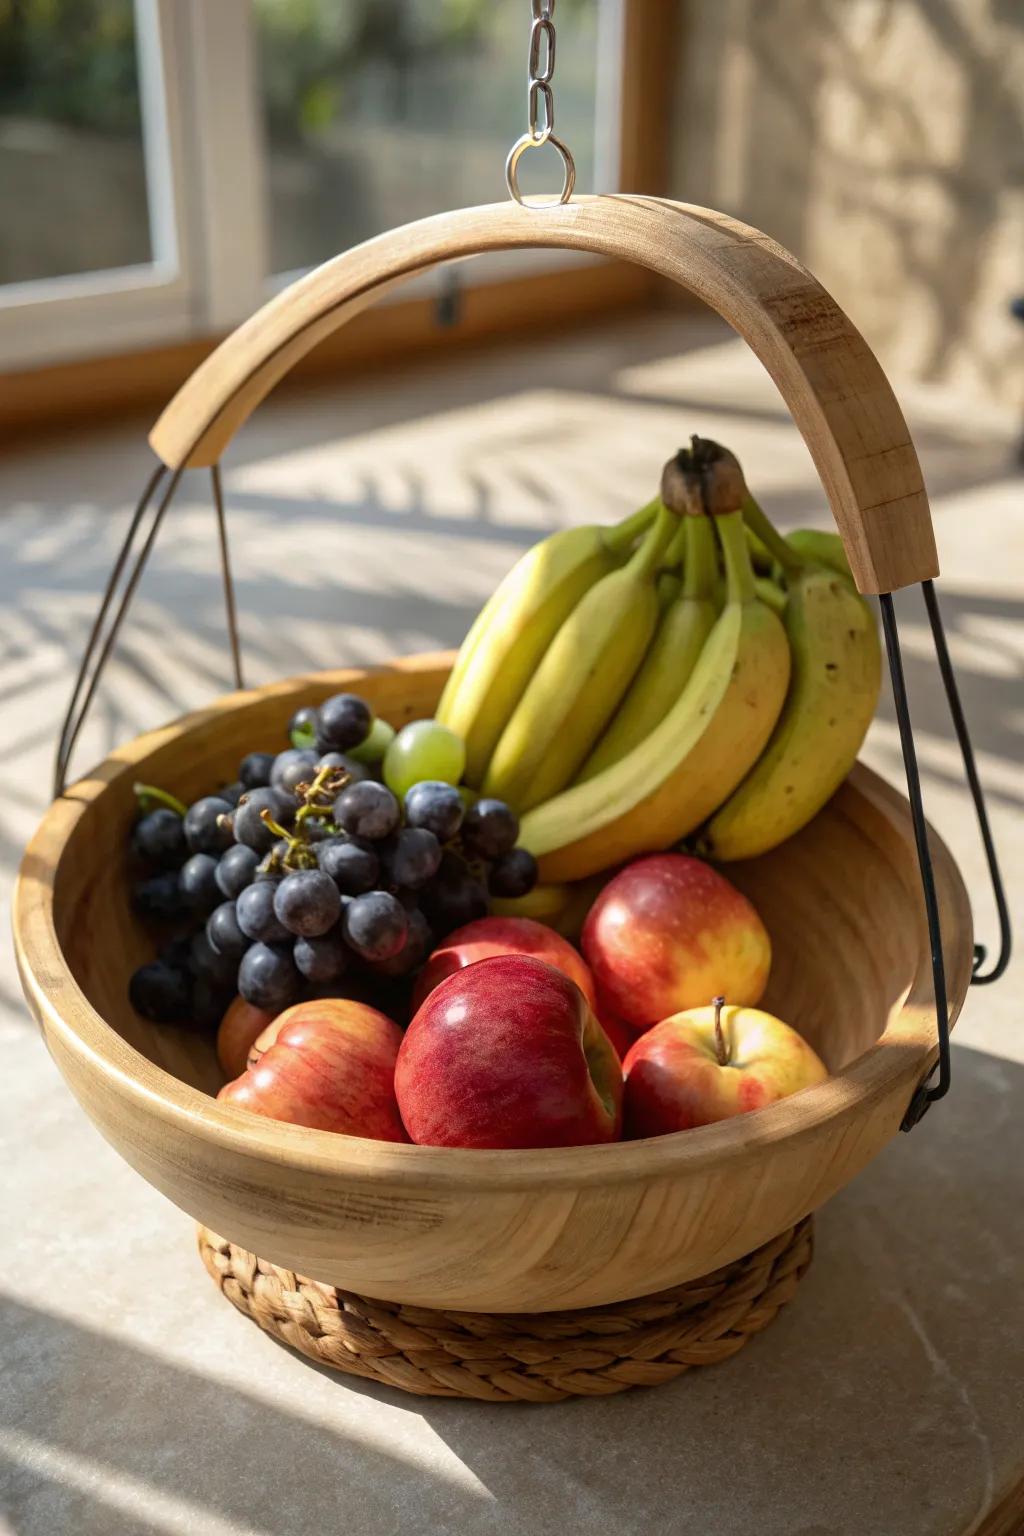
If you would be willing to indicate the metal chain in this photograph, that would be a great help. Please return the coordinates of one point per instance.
(540, 109)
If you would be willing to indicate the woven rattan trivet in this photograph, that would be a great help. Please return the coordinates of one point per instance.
(538, 1358)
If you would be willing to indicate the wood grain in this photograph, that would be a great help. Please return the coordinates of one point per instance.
(838, 395)
(489, 1231)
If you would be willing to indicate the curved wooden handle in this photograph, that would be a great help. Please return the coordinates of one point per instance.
(835, 390)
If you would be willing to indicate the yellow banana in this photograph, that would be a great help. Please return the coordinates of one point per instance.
(673, 654)
(545, 904)
(513, 630)
(582, 676)
(692, 761)
(832, 697)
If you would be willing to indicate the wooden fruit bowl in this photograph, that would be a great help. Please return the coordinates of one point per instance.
(541, 1230)
(490, 1231)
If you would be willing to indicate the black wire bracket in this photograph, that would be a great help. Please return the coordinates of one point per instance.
(82, 694)
(927, 1092)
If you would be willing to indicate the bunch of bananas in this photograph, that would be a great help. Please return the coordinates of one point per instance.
(621, 706)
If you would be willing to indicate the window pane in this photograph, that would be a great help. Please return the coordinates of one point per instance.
(72, 168)
(381, 111)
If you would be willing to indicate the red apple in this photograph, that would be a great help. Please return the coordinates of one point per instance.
(503, 936)
(507, 1053)
(331, 1067)
(619, 1033)
(667, 933)
(241, 1025)
(712, 1063)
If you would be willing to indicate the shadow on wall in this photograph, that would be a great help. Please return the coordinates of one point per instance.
(885, 146)
(104, 1438)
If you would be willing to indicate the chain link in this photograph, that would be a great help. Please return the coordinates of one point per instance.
(540, 108)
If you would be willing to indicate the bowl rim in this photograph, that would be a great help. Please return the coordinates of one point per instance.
(906, 1048)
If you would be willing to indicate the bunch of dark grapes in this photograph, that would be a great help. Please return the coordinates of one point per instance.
(309, 876)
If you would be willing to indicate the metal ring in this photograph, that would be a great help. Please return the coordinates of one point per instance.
(517, 152)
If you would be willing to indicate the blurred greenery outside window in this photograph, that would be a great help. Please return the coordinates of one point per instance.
(73, 192)
(381, 111)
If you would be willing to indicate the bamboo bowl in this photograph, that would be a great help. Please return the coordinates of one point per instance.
(506, 1230)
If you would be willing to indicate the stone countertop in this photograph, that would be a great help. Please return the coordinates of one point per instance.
(888, 1400)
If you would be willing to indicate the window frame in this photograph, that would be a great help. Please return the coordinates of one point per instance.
(202, 89)
(124, 307)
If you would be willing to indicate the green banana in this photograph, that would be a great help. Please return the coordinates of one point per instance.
(673, 654)
(760, 554)
(670, 581)
(820, 545)
(771, 593)
(582, 676)
(514, 628)
(712, 735)
(837, 668)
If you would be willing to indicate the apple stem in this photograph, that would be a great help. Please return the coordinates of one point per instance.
(721, 1047)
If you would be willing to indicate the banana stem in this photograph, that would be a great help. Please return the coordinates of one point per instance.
(769, 593)
(721, 1044)
(758, 523)
(701, 566)
(647, 558)
(678, 546)
(739, 574)
(622, 535)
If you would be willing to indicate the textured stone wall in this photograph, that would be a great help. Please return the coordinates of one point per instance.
(883, 142)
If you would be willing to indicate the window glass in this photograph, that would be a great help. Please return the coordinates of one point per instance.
(72, 165)
(381, 111)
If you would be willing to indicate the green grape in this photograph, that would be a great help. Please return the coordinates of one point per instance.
(372, 750)
(423, 750)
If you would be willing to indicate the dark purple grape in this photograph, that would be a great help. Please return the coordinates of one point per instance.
(159, 839)
(303, 726)
(307, 903)
(175, 954)
(352, 866)
(204, 830)
(268, 977)
(236, 869)
(514, 874)
(254, 911)
(197, 882)
(250, 828)
(204, 960)
(345, 721)
(357, 772)
(254, 769)
(210, 1000)
(435, 806)
(367, 810)
(411, 858)
(375, 925)
(223, 931)
(294, 767)
(414, 951)
(232, 793)
(489, 829)
(317, 831)
(160, 992)
(160, 898)
(454, 897)
(322, 958)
